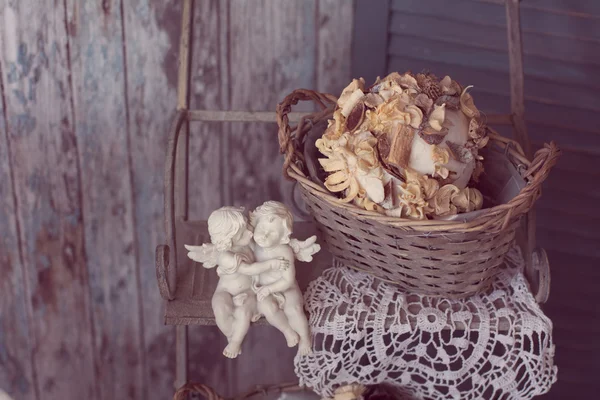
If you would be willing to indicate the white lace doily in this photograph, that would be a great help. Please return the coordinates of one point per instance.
(495, 345)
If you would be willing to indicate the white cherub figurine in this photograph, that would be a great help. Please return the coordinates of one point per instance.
(234, 301)
(277, 288)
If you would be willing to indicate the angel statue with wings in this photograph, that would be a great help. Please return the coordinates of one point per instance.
(234, 302)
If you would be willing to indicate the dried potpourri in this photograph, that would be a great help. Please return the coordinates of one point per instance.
(407, 146)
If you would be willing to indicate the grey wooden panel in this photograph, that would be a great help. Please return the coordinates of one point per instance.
(151, 44)
(533, 19)
(335, 26)
(370, 39)
(16, 368)
(207, 180)
(478, 32)
(100, 109)
(47, 187)
(569, 6)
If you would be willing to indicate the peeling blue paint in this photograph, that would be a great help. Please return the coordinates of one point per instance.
(20, 96)
(24, 124)
(24, 60)
(43, 261)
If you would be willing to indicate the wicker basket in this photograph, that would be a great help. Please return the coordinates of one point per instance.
(452, 259)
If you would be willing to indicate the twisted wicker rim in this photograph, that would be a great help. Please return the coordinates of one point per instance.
(494, 218)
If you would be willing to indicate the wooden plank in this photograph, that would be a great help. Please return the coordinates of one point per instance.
(478, 31)
(581, 204)
(272, 52)
(370, 39)
(47, 185)
(556, 238)
(96, 43)
(492, 13)
(575, 161)
(569, 222)
(575, 8)
(180, 202)
(567, 181)
(151, 43)
(517, 77)
(17, 374)
(335, 27)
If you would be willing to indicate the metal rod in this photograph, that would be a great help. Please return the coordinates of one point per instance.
(517, 77)
(241, 116)
(184, 55)
(181, 356)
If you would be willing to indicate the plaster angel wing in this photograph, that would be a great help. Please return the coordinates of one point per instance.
(304, 249)
(206, 254)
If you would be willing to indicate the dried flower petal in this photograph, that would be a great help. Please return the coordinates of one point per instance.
(356, 84)
(436, 119)
(416, 115)
(351, 102)
(372, 100)
(424, 102)
(442, 201)
(467, 200)
(467, 105)
(356, 117)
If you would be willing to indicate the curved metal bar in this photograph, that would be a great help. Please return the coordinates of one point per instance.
(171, 266)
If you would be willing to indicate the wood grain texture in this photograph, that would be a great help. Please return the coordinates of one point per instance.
(17, 375)
(335, 24)
(552, 23)
(151, 43)
(96, 43)
(48, 193)
(517, 77)
(272, 52)
(370, 39)
(207, 93)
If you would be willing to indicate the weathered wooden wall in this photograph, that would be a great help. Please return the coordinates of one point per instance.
(88, 88)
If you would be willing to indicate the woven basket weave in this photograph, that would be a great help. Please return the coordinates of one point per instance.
(452, 259)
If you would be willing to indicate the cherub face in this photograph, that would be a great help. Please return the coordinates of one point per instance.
(243, 237)
(269, 231)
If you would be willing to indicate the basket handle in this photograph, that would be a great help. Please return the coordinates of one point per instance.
(543, 161)
(323, 100)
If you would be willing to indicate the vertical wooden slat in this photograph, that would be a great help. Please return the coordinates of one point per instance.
(17, 375)
(335, 23)
(48, 193)
(96, 44)
(206, 138)
(370, 39)
(181, 170)
(517, 78)
(272, 52)
(151, 42)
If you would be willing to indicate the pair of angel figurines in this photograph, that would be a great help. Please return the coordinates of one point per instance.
(255, 264)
